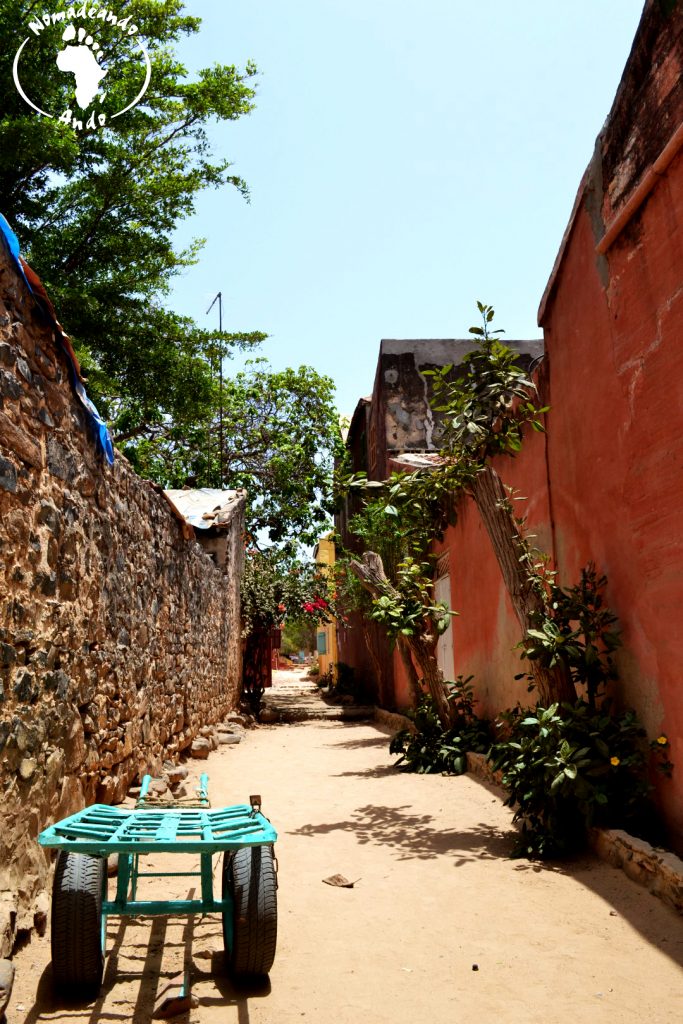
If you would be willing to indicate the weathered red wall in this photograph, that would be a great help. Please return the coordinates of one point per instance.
(613, 323)
(605, 483)
(486, 631)
(616, 446)
(614, 455)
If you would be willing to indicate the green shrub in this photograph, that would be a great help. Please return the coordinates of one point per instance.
(568, 767)
(576, 629)
(431, 749)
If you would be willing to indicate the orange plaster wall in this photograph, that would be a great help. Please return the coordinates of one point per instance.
(615, 358)
(486, 630)
(402, 695)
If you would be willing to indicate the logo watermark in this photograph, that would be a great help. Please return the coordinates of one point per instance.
(86, 39)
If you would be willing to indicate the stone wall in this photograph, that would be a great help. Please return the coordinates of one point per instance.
(119, 637)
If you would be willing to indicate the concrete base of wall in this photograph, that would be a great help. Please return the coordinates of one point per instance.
(659, 871)
(479, 766)
(392, 720)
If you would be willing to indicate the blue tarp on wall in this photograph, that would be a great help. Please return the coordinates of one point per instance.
(43, 302)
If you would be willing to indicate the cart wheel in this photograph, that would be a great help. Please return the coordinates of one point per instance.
(250, 931)
(77, 926)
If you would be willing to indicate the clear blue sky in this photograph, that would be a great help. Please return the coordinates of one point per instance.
(404, 160)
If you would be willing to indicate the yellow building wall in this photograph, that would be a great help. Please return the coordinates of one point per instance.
(326, 635)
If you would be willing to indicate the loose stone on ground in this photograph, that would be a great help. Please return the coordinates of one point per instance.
(6, 983)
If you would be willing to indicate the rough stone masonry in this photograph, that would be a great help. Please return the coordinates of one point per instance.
(119, 637)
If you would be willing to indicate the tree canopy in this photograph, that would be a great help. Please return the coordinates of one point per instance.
(96, 210)
(279, 444)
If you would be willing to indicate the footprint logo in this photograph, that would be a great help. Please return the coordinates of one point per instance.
(83, 61)
(88, 53)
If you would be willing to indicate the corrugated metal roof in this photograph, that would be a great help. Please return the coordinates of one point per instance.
(204, 507)
(418, 460)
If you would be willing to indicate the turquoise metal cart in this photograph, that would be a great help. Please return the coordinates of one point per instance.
(80, 904)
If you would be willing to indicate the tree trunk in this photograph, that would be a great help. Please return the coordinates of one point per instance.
(371, 574)
(423, 649)
(256, 666)
(409, 666)
(553, 684)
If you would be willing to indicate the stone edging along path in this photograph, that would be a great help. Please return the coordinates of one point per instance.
(659, 871)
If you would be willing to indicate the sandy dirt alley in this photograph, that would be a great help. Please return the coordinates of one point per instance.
(436, 895)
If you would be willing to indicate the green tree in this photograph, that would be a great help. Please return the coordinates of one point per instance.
(96, 211)
(298, 636)
(396, 529)
(278, 588)
(280, 437)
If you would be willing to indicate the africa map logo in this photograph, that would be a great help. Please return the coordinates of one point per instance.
(83, 52)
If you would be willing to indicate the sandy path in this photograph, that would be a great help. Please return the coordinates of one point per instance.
(436, 895)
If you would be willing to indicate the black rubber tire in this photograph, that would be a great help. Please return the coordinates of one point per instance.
(249, 877)
(76, 933)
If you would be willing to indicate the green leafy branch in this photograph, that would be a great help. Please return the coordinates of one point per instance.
(488, 401)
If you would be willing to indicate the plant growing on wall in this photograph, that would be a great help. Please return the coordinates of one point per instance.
(428, 748)
(485, 410)
(576, 630)
(396, 528)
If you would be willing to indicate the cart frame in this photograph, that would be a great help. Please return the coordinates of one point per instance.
(101, 830)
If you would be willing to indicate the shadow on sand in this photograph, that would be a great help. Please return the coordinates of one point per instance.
(413, 835)
(146, 960)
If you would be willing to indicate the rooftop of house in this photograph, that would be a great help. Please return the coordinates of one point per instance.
(205, 507)
(441, 351)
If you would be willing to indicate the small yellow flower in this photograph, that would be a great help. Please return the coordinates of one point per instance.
(614, 761)
(662, 740)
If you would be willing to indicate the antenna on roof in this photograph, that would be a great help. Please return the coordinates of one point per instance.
(219, 299)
